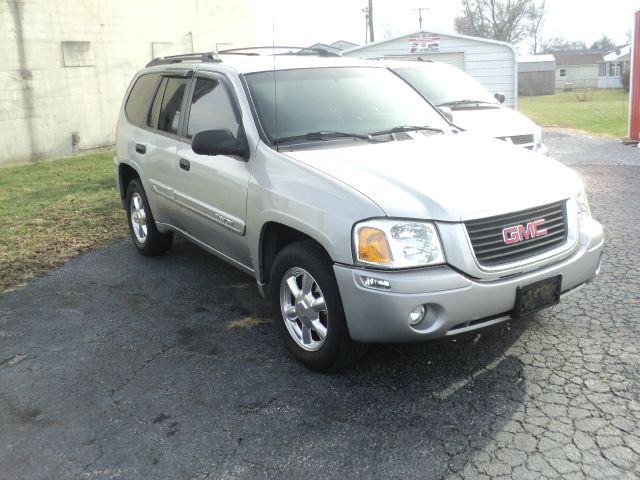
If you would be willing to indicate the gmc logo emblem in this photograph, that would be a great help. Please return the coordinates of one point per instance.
(518, 233)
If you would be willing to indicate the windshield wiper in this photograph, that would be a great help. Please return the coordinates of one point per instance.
(322, 135)
(456, 103)
(406, 128)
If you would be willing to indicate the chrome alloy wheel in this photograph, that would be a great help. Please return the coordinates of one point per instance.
(138, 218)
(303, 309)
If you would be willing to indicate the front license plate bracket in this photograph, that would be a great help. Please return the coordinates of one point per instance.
(538, 295)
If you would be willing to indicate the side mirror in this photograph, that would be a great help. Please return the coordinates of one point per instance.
(499, 96)
(447, 112)
(220, 142)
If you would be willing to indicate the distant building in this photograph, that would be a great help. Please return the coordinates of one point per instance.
(612, 66)
(491, 62)
(343, 45)
(335, 47)
(536, 75)
(577, 68)
(324, 46)
(66, 65)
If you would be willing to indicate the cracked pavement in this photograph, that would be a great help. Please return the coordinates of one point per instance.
(120, 366)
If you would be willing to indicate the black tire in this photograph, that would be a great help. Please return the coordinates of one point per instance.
(338, 350)
(152, 242)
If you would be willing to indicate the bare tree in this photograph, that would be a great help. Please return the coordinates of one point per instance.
(536, 19)
(558, 44)
(509, 21)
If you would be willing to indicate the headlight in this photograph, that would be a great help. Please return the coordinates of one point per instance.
(397, 243)
(582, 205)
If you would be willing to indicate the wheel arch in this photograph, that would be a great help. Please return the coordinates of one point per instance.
(126, 173)
(274, 236)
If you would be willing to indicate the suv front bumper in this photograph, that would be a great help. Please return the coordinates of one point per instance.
(455, 303)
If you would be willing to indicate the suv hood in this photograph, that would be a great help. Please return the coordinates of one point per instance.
(444, 177)
(494, 122)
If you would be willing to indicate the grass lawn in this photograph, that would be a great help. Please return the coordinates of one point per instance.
(607, 112)
(51, 211)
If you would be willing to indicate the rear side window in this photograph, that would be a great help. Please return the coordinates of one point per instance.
(211, 108)
(154, 115)
(138, 102)
(169, 115)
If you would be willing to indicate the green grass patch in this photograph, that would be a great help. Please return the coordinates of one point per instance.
(606, 112)
(51, 211)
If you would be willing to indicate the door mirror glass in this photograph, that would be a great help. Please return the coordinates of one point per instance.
(219, 142)
(500, 97)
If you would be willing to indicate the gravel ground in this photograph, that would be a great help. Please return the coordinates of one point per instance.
(119, 366)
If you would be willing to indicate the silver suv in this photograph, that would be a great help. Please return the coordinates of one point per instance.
(363, 215)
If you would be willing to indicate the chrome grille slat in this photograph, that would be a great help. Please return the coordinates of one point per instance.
(540, 211)
(488, 243)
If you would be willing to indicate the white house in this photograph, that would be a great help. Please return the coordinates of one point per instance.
(612, 66)
(490, 62)
(577, 68)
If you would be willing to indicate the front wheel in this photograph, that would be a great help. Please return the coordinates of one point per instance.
(146, 237)
(305, 296)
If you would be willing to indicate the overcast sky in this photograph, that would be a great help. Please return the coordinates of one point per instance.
(304, 22)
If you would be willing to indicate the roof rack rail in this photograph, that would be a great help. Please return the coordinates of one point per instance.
(209, 57)
(300, 51)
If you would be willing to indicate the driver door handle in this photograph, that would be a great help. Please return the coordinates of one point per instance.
(185, 165)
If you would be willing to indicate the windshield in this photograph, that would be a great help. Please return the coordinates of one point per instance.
(443, 86)
(355, 100)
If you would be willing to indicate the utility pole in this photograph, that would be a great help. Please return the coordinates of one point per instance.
(371, 20)
(419, 10)
(366, 24)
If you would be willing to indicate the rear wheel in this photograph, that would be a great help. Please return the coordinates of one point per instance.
(305, 296)
(146, 237)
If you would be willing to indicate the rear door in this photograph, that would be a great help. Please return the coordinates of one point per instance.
(211, 191)
(153, 141)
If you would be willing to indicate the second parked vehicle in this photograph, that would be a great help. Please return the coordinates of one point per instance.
(472, 107)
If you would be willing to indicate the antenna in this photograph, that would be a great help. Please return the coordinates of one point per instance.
(419, 10)
(275, 87)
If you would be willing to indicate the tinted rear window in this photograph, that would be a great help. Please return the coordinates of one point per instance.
(138, 102)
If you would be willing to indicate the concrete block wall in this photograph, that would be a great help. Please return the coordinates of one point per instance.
(49, 90)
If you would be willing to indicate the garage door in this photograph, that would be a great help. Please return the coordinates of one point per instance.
(455, 59)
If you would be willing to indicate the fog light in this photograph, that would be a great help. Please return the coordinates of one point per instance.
(372, 282)
(417, 315)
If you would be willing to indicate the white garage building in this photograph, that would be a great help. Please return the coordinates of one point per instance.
(490, 62)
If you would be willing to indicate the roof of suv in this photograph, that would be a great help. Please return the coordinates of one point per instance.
(262, 63)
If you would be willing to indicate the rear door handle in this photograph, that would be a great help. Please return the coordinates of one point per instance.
(184, 164)
(140, 148)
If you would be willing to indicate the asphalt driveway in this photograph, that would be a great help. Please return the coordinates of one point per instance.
(120, 366)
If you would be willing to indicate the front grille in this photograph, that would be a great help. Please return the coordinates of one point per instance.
(521, 139)
(487, 238)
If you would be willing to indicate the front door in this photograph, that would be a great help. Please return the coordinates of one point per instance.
(211, 191)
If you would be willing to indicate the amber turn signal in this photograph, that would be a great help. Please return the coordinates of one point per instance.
(373, 246)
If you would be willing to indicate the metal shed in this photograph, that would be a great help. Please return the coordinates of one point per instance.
(536, 75)
(490, 62)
